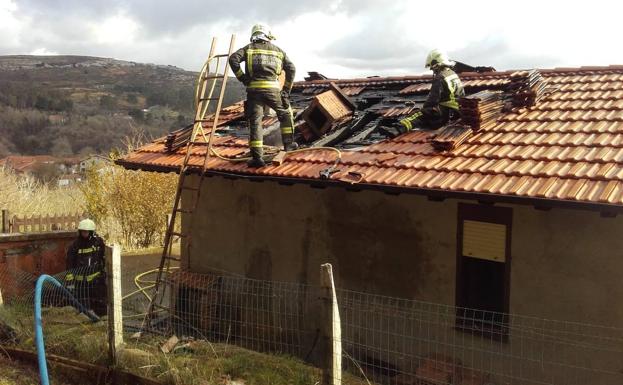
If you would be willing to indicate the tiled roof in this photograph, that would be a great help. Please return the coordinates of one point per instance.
(567, 148)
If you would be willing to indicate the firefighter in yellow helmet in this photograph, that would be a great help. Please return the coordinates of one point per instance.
(264, 62)
(441, 104)
(86, 268)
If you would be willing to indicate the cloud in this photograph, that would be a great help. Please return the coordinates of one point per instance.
(341, 38)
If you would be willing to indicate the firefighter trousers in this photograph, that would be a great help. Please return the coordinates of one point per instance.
(257, 99)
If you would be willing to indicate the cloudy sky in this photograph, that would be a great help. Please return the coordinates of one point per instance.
(339, 38)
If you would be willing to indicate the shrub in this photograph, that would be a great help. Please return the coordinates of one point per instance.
(134, 202)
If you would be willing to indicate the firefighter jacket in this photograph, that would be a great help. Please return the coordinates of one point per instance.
(86, 255)
(445, 90)
(264, 62)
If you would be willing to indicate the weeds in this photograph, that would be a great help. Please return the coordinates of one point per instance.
(196, 363)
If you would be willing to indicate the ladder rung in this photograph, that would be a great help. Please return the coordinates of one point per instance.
(204, 99)
(222, 55)
(178, 234)
(190, 188)
(174, 258)
(184, 211)
(212, 77)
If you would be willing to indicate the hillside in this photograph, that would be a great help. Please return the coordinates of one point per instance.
(66, 105)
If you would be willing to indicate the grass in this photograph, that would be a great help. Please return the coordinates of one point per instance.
(16, 373)
(199, 363)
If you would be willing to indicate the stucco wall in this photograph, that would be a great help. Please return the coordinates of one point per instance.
(566, 264)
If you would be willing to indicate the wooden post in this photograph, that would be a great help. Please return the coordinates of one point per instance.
(331, 328)
(5, 221)
(115, 320)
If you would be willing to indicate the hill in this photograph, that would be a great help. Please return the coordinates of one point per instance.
(66, 105)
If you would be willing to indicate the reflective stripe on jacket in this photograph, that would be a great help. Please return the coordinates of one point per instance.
(264, 62)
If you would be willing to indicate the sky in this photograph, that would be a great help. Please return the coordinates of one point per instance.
(338, 38)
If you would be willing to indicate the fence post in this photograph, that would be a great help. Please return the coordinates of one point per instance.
(115, 321)
(331, 329)
(5, 221)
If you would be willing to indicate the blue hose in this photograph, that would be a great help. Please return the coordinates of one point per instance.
(43, 366)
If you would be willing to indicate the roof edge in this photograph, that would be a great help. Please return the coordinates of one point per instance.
(433, 194)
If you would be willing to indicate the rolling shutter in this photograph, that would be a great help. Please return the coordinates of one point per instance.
(484, 240)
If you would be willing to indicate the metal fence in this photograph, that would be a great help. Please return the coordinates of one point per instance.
(385, 340)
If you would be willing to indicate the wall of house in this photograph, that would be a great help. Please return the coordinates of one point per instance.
(566, 264)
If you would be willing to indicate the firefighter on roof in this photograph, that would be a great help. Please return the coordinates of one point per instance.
(441, 105)
(85, 262)
(264, 62)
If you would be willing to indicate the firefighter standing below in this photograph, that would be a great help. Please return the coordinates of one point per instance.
(441, 105)
(264, 62)
(86, 264)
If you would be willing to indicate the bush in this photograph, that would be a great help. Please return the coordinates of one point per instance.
(135, 202)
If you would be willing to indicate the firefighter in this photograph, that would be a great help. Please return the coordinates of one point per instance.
(85, 263)
(264, 62)
(441, 104)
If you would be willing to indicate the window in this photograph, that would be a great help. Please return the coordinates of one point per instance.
(483, 269)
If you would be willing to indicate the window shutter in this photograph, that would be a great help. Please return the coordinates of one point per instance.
(484, 240)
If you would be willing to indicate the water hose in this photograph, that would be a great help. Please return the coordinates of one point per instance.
(43, 366)
(307, 149)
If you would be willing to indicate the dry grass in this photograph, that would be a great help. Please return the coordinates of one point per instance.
(198, 363)
(17, 373)
(24, 196)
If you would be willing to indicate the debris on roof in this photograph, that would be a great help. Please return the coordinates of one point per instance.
(567, 147)
(451, 136)
(527, 88)
(325, 109)
(481, 110)
(178, 138)
(315, 76)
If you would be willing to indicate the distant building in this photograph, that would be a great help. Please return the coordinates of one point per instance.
(92, 161)
(28, 164)
(68, 180)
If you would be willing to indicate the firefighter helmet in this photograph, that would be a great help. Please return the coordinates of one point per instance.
(262, 29)
(437, 57)
(86, 225)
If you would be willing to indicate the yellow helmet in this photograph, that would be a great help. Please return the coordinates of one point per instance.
(262, 29)
(437, 57)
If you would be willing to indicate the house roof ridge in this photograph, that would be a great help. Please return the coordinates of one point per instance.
(615, 68)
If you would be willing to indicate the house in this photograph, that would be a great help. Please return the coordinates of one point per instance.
(92, 161)
(33, 163)
(523, 217)
(67, 180)
(23, 164)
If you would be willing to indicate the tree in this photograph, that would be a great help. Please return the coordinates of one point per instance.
(61, 147)
(46, 172)
(108, 103)
(132, 98)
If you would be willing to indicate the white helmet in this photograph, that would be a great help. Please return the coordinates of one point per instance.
(260, 31)
(437, 57)
(86, 225)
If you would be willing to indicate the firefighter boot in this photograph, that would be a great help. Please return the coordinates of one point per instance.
(256, 160)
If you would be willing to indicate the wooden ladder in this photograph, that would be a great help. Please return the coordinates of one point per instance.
(204, 92)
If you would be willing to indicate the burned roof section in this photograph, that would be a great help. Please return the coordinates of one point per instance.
(560, 140)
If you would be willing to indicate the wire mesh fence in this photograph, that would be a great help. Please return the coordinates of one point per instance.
(400, 341)
(259, 315)
(385, 340)
(86, 284)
